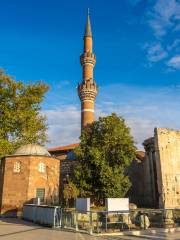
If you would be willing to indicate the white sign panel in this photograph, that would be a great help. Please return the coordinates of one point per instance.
(117, 204)
(83, 204)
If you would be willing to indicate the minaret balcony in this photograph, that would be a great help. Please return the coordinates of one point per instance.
(88, 58)
(87, 91)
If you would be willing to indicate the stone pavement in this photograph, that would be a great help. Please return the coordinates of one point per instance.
(159, 236)
(12, 229)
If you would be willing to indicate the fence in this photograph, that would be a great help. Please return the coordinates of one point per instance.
(44, 215)
(102, 221)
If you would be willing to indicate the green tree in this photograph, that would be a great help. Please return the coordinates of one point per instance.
(70, 192)
(105, 151)
(20, 119)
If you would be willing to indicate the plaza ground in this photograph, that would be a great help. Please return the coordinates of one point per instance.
(11, 229)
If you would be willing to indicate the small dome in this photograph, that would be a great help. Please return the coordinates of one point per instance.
(32, 149)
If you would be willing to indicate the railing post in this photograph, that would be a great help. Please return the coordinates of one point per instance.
(54, 217)
(97, 221)
(77, 221)
(90, 223)
(144, 221)
(60, 219)
(106, 220)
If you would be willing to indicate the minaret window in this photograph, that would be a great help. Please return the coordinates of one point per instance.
(17, 167)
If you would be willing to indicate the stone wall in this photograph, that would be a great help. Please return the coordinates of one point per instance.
(48, 180)
(150, 174)
(163, 168)
(66, 170)
(167, 144)
(141, 191)
(22, 175)
(14, 186)
(135, 172)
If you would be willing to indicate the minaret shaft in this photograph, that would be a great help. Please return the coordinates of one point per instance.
(87, 113)
(88, 44)
(87, 71)
(87, 89)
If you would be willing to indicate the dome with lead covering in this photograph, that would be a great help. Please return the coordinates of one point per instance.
(32, 149)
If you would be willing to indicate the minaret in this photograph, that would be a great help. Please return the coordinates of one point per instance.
(87, 89)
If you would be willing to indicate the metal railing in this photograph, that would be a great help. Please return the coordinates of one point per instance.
(43, 214)
(95, 222)
(104, 221)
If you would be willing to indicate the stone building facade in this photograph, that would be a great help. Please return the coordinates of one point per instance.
(67, 163)
(156, 178)
(163, 157)
(154, 175)
(34, 172)
(30, 173)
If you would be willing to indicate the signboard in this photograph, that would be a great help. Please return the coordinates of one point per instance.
(83, 204)
(117, 204)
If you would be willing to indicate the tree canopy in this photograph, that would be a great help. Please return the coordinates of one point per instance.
(70, 191)
(21, 121)
(105, 151)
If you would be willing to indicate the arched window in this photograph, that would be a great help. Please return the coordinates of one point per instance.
(17, 167)
(42, 167)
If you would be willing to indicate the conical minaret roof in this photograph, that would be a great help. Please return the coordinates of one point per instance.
(88, 32)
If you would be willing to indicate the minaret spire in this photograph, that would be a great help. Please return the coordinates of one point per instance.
(88, 32)
(87, 89)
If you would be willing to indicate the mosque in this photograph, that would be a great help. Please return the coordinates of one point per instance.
(33, 172)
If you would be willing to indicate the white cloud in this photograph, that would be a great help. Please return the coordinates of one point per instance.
(64, 125)
(142, 108)
(163, 16)
(155, 52)
(141, 129)
(174, 45)
(164, 19)
(157, 27)
(174, 62)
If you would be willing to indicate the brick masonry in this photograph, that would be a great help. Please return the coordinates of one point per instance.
(18, 188)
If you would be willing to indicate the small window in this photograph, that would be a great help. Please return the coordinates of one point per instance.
(42, 167)
(40, 193)
(17, 167)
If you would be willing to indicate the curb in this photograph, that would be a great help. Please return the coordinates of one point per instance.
(141, 232)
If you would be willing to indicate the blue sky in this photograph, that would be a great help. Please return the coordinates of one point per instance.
(137, 45)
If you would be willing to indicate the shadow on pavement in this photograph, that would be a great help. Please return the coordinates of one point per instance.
(17, 221)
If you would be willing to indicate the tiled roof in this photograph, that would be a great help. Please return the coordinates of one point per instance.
(64, 148)
(140, 155)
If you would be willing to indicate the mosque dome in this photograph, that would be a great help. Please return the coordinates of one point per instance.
(32, 149)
